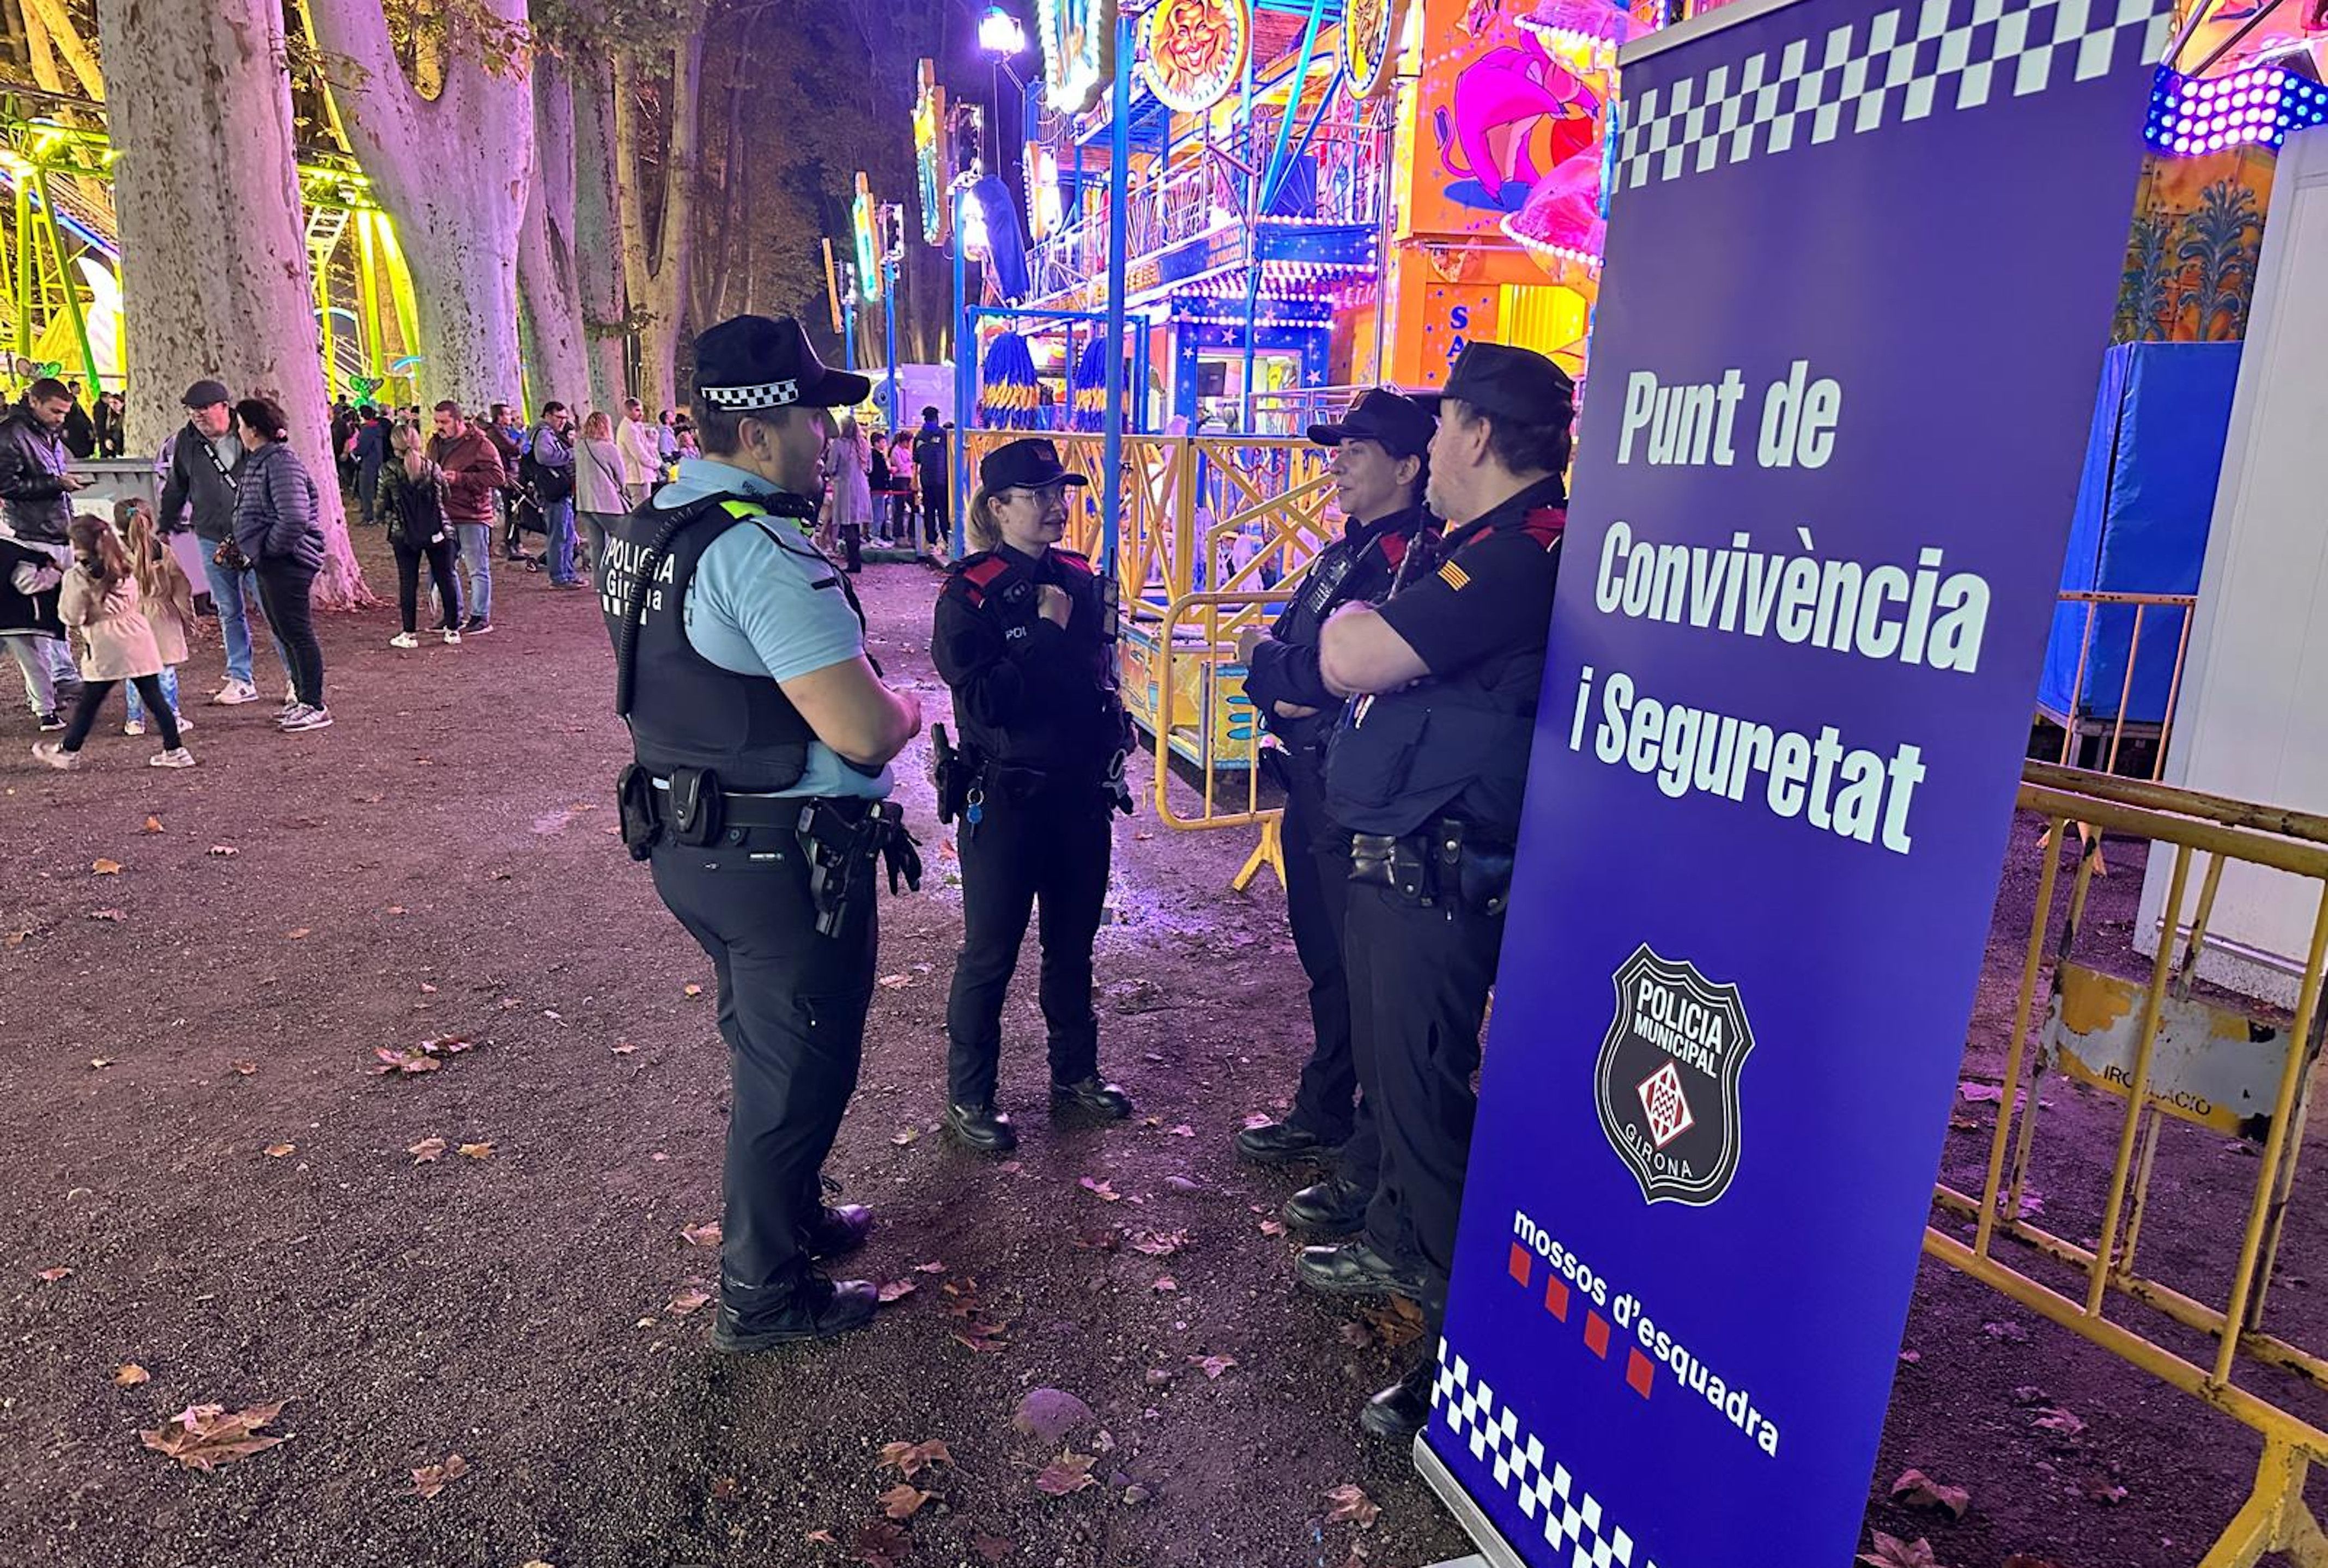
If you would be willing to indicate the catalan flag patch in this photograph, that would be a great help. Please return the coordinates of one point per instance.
(1455, 575)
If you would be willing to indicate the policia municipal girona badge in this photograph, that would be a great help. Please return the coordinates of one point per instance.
(1667, 1080)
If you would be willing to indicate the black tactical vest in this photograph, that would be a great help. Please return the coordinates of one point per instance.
(684, 710)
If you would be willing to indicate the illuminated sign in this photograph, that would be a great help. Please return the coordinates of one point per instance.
(1196, 51)
(933, 160)
(1078, 50)
(868, 248)
(1370, 30)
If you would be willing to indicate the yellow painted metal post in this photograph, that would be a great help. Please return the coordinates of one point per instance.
(368, 258)
(24, 242)
(2007, 1104)
(65, 279)
(322, 266)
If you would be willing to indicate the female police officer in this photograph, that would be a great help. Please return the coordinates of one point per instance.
(1022, 636)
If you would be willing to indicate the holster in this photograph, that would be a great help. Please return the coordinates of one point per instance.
(1437, 864)
(1380, 861)
(841, 854)
(954, 771)
(634, 800)
(1119, 787)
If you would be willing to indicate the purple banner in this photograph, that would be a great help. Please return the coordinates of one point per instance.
(1860, 270)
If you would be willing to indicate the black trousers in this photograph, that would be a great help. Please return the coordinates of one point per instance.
(1047, 848)
(1330, 1100)
(440, 566)
(1420, 977)
(285, 590)
(937, 526)
(93, 694)
(792, 1009)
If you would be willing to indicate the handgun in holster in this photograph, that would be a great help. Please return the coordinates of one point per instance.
(1117, 785)
(946, 773)
(841, 854)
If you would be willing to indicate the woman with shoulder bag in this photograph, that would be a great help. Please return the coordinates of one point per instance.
(599, 499)
(412, 499)
(274, 526)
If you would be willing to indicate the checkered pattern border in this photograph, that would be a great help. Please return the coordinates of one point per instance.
(1573, 1521)
(1920, 57)
(766, 395)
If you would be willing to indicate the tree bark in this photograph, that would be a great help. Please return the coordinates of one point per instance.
(549, 297)
(214, 257)
(453, 171)
(597, 229)
(657, 282)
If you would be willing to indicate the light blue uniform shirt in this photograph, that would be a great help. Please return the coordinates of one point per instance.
(756, 607)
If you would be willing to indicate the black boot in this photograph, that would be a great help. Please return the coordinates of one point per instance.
(1355, 1271)
(981, 1128)
(819, 1309)
(1281, 1143)
(1092, 1098)
(1404, 1409)
(1333, 1208)
(837, 1230)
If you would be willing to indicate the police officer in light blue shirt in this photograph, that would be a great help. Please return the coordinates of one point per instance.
(762, 736)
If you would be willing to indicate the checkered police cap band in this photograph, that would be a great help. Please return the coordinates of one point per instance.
(1575, 1525)
(766, 395)
(1908, 62)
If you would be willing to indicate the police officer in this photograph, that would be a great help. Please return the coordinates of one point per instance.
(762, 734)
(1379, 468)
(1023, 638)
(1427, 769)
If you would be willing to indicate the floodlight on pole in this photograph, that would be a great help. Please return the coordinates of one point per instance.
(1000, 34)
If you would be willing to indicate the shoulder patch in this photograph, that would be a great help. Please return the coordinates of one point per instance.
(975, 573)
(1544, 525)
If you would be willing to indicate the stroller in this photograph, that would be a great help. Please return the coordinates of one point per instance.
(525, 515)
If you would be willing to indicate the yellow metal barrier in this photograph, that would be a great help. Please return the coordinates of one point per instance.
(2168, 615)
(1203, 658)
(2170, 1044)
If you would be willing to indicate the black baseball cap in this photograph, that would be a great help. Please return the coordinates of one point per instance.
(205, 392)
(1399, 423)
(749, 364)
(1515, 382)
(1029, 465)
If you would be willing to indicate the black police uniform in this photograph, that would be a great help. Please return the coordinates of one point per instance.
(1038, 776)
(1429, 781)
(1359, 568)
(775, 886)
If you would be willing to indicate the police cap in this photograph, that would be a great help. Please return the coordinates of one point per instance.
(1517, 383)
(1029, 465)
(748, 364)
(1401, 426)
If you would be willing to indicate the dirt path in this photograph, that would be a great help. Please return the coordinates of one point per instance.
(442, 863)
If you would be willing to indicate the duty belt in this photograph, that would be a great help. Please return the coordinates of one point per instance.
(1436, 866)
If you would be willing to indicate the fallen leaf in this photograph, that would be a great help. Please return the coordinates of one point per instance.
(1909, 1357)
(895, 1290)
(54, 1275)
(1355, 1334)
(821, 1538)
(2006, 1329)
(1918, 1490)
(690, 989)
(1214, 1366)
(1167, 1283)
(2098, 1490)
(129, 1374)
(222, 852)
(905, 1136)
(153, 825)
(706, 1235)
(477, 1151)
(723, 1489)
(2053, 1418)
(1159, 1243)
(1259, 1120)
(1892, 1552)
(105, 868)
(426, 1150)
(902, 1501)
(430, 1479)
(991, 1549)
(279, 1150)
(1273, 1227)
(1351, 1506)
(203, 1437)
(624, 1049)
(689, 1301)
(1069, 1473)
(882, 1543)
(245, 1068)
(932, 1267)
(1184, 1130)
(394, 909)
(1010, 1168)
(427, 990)
(300, 934)
(1105, 1240)
(911, 1459)
(100, 1062)
(895, 982)
(111, 916)
(1979, 1093)
(1184, 1184)
(1099, 1190)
